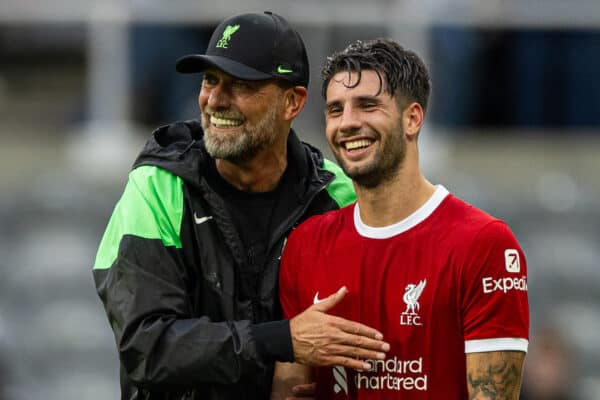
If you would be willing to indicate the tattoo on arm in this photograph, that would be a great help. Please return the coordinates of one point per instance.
(494, 375)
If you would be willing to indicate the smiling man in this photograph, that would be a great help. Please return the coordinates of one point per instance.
(188, 266)
(444, 282)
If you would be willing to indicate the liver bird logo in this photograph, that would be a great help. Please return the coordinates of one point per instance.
(223, 43)
(411, 297)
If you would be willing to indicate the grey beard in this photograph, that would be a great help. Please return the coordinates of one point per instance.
(243, 148)
(248, 143)
(232, 151)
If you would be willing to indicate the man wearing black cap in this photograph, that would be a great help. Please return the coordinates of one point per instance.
(188, 266)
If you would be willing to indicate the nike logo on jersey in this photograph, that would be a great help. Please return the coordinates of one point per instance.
(201, 220)
(316, 300)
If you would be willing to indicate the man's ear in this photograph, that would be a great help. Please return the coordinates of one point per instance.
(295, 98)
(412, 120)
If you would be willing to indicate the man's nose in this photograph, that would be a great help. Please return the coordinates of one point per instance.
(350, 120)
(219, 97)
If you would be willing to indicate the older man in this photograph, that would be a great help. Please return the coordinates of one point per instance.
(188, 266)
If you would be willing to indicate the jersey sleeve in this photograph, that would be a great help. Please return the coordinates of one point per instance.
(494, 292)
(288, 272)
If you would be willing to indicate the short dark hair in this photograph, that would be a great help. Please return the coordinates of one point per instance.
(404, 73)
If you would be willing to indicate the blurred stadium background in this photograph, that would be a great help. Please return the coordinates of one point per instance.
(513, 127)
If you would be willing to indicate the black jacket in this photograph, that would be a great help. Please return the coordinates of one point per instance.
(167, 266)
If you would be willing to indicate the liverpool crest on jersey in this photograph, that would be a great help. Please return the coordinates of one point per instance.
(412, 292)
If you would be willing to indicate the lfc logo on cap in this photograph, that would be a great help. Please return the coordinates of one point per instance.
(229, 31)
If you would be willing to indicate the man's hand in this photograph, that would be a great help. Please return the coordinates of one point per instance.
(320, 339)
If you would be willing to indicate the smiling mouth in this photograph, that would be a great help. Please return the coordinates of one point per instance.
(357, 144)
(224, 122)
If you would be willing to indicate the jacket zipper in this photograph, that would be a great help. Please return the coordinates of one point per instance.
(299, 214)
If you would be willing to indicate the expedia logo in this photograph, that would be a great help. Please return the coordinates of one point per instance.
(491, 285)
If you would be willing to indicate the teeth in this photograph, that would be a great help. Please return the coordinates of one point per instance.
(356, 144)
(224, 122)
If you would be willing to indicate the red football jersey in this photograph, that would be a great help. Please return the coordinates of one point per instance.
(448, 280)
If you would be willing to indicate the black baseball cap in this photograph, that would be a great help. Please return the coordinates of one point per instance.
(253, 47)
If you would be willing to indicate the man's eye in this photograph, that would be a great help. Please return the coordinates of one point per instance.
(334, 110)
(210, 80)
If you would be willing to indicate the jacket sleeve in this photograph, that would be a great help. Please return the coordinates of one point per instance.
(138, 276)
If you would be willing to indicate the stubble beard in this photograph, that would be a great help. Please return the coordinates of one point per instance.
(384, 166)
(239, 147)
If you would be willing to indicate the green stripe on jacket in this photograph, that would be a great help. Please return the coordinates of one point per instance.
(151, 207)
(341, 189)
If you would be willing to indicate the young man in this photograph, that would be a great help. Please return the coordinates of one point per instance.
(444, 282)
(188, 266)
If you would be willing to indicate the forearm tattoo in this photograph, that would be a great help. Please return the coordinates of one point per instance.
(494, 375)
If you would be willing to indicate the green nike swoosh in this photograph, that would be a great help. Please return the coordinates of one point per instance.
(281, 70)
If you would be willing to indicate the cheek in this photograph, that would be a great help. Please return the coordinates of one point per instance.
(329, 135)
(202, 99)
(330, 129)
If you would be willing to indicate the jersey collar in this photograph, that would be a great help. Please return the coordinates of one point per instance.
(407, 223)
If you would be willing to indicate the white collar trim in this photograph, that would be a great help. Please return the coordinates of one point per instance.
(412, 220)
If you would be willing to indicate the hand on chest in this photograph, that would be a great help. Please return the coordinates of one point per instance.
(390, 287)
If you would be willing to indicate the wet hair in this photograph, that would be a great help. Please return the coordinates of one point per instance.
(401, 72)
